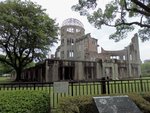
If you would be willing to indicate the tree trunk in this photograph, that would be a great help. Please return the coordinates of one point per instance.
(18, 74)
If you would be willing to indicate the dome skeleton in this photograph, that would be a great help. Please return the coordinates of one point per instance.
(73, 22)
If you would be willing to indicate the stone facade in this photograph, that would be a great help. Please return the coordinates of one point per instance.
(77, 58)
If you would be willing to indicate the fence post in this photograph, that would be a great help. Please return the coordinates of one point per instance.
(141, 85)
(108, 86)
(103, 90)
(71, 88)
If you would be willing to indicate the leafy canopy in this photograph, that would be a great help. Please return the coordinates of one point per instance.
(4, 68)
(26, 33)
(124, 15)
(145, 68)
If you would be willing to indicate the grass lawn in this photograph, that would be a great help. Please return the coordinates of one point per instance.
(4, 79)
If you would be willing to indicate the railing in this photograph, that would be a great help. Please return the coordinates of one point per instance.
(79, 88)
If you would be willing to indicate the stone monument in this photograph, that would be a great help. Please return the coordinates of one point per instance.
(115, 104)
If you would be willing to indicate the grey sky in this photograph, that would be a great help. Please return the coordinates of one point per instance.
(61, 10)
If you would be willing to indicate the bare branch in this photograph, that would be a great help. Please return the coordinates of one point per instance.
(134, 23)
(136, 10)
(141, 20)
(143, 6)
(5, 61)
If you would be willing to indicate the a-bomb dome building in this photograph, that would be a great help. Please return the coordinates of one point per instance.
(77, 58)
(75, 44)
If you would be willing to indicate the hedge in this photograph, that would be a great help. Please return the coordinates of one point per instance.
(24, 102)
(146, 96)
(139, 100)
(85, 104)
(78, 104)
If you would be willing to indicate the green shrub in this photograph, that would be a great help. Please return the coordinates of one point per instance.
(143, 105)
(78, 104)
(24, 102)
(85, 104)
(146, 96)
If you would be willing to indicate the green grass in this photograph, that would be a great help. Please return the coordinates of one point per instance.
(5, 79)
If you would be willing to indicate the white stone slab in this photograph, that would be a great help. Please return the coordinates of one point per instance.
(61, 87)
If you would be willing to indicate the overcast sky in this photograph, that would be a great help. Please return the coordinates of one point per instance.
(61, 10)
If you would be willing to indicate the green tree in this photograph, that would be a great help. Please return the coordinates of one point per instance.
(124, 15)
(26, 33)
(4, 68)
(145, 68)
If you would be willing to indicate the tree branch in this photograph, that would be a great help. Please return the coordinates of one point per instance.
(136, 10)
(6, 49)
(143, 6)
(27, 56)
(5, 61)
(134, 23)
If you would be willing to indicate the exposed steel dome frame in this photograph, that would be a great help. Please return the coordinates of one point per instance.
(72, 21)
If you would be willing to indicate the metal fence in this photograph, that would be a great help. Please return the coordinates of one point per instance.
(81, 88)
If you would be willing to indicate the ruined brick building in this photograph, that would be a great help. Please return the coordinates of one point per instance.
(77, 58)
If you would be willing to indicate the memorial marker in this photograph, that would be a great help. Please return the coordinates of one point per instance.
(115, 104)
(61, 87)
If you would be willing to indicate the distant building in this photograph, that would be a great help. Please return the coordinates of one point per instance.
(77, 58)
